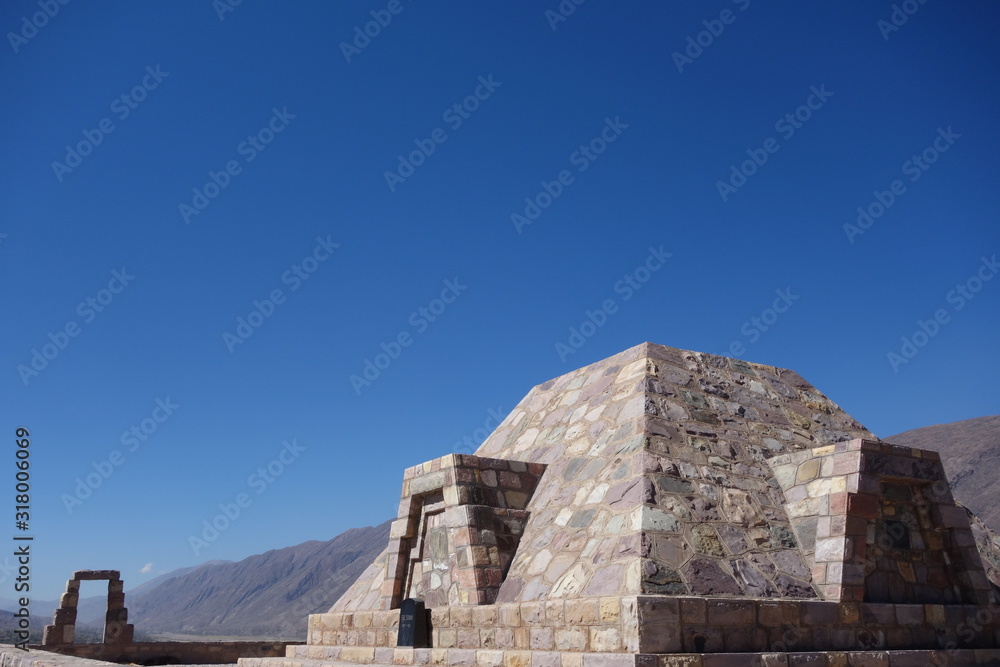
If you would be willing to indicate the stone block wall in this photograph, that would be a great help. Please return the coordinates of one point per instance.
(160, 653)
(877, 523)
(655, 624)
(601, 625)
(459, 524)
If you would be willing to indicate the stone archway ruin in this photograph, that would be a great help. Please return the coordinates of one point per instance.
(117, 630)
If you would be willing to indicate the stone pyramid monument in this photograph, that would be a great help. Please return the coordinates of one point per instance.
(666, 507)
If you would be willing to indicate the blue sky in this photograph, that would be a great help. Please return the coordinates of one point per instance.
(472, 184)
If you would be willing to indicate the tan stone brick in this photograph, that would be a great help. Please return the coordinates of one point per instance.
(510, 615)
(448, 638)
(357, 653)
(837, 659)
(517, 659)
(468, 638)
(807, 471)
(610, 610)
(605, 640)
(440, 617)
(555, 612)
(582, 612)
(571, 660)
(439, 656)
(532, 613)
(484, 615)
(463, 657)
(461, 617)
(522, 638)
(571, 639)
(489, 658)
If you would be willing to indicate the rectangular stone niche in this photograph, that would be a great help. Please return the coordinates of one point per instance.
(459, 524)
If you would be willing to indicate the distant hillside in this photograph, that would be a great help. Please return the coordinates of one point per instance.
(90, 609)
(970, 451)
(85, 633)
(9, 623)
(266, 595)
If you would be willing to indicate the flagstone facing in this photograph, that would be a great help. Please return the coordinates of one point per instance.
(665, 501)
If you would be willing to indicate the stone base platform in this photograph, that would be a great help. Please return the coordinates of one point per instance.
(650, 624)
(392, 657)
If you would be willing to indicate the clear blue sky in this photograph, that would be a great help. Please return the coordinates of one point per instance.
(620, 143)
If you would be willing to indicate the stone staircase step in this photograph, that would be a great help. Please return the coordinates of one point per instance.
(352, 656)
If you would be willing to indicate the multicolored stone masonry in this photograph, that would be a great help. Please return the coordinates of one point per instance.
(666, 503)
(878, 523)
(459, 524)
(117, 630)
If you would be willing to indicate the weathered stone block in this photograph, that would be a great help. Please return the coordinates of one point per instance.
(96, 575)
(731, 612)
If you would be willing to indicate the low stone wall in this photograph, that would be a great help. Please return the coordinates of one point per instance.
(592, 624)
(667, 624)
(717, 626)
(190, 653)
(321, 656)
